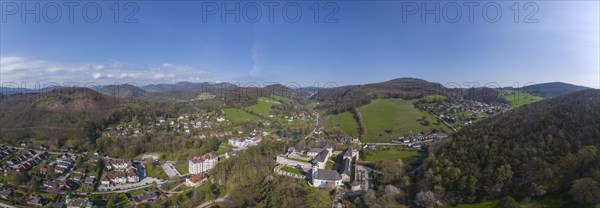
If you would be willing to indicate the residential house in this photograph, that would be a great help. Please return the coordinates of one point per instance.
(6, 193)
(50, 184)
(77, 202)
(196, 180)
(89, 180)
(36, 200)
(145, 198)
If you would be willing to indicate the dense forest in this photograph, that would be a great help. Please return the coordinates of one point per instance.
(539, 148)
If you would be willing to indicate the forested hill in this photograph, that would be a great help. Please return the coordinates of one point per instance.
(552, 89)
(536, 149)
(123, 91)
(344, 98)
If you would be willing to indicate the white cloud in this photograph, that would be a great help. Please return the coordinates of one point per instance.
(256, 57)
(20, 69)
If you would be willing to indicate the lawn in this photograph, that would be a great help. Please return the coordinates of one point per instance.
(223, 149)
(155, 171)
(345, 121)
(297, 159)
(518, 98)
(387, 119)
(237, 116)
(182, 167)
(407, 156)
(329, 165)
(291, 170)
(280, 98)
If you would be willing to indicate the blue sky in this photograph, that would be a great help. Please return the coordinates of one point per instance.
(370, 42)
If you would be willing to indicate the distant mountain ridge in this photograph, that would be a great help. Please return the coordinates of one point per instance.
(552, 89)
(187, 86)
(123, 91)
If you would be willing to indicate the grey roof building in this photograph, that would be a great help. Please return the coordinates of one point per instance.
(328, 175)
(321, 157)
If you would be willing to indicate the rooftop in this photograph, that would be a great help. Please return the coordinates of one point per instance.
(329, 175)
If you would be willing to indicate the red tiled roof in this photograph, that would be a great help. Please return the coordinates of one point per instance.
(197, 177)
(210, 155)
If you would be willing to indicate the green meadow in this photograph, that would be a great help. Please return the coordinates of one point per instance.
(345, 121)
(518, 98)
(237, 116)
(387, 119)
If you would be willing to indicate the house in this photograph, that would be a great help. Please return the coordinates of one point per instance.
(132, 176)
(196, 180)
(50, 184)
(118, 164)
(256, 139)
(60, 170)
(81, 171)
(145, 198)
(230, 154)
(36, 200)
(238, 142)
(7, 193)
(68, 185)
(104, 180)
(202, 164)
(77, 202)
(89, 180)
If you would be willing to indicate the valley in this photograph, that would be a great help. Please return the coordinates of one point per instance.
(383, 143)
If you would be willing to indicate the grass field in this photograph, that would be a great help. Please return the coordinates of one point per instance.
(387, 119)
(237, 116)
(182, 167)
(263, 106)
(344, 121)
(223, 149)
(518, 98)
(291, 170)
(431, 98)
(155, 171)
(408, 157)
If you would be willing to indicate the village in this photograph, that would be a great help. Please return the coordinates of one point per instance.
(84, 178)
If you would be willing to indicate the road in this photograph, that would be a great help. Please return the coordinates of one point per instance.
(6, 205)
(447, 124)
(316, 127)
(213, 201)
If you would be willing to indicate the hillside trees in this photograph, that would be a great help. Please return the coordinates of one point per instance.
(529, 151)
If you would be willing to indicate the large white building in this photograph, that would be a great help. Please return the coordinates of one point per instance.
(202, 164)
(325, 178)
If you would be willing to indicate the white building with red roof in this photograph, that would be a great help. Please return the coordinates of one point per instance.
(202, 164)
